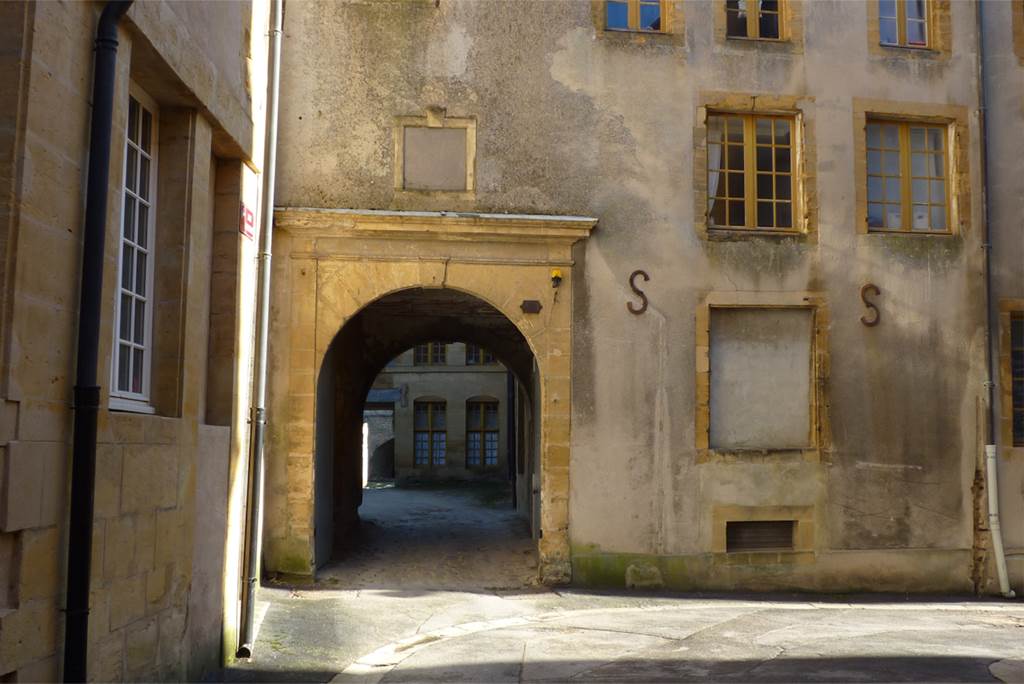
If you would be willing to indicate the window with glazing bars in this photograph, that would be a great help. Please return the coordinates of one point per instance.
(134, 306)
(761, 19)
(477, 355)
(430, 436)
(1017, 375)
(634, 15)
(903, 23)
(750, 171)
(482, 433)
(906, 174)
(430, 354)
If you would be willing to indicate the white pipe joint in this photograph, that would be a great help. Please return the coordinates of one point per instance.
(992, 468)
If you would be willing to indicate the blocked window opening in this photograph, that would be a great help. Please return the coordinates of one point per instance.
(761, 378)
(435, 158)
(759, 535)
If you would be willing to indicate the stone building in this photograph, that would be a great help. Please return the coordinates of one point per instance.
(764, 368)
(448, 405)
(186, 145)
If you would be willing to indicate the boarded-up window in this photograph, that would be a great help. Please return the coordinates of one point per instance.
(760, 378)
(434, 158)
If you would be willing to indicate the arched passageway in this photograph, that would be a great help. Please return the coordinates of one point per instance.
(360, 350)
(354, 288)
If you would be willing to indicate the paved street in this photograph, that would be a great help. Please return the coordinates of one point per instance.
(420, 601)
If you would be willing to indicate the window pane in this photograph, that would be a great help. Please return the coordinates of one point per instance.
(127, 266)
(938, 218)
(768, 25)
(420, 418)
(437, 417)
(782, 131)
(140, 274)
(131, 170)
(617, 15)
(876, 216)
(737, 213)
(137, 371)
(736, 18)
(874, 134)
(133, 120)
(934, 139)
(919, 191)
(915, 9)
(893, 216)
(491, 417)
(938, 191)
(764, 159)
(439, 447)
(916, 138)
(422, 448)
(876, 189)
(650, 16)
(891, 163)
(764, 186)
(492, 449)
(920, 216)
(716, 212)
(736, 185)
(783, 186)
(764, 131)
(887, 8)
(783, 157)
(140, 321)
(735, 157)
(892, 189)
(473, 448)
(124, 362)
(919, 164)
(888, 32)
(734, 129)
(129, 217)
(473, 416)
(938, 169)
(125, 328)
(143, 229)
(765, 215)
(147, 130)
(144, 178)
(783, 215)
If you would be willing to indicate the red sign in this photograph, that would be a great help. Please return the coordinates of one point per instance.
(247, 222)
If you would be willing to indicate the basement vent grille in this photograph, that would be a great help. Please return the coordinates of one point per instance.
(759, 535)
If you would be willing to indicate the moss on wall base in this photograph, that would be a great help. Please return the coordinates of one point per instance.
(904, 571)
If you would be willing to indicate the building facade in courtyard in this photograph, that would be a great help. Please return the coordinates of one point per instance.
(764, 368)
(449, 418)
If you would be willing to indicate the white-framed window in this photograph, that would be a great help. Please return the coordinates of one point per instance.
(133, 310)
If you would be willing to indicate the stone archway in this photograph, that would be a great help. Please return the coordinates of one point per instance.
(331, 264)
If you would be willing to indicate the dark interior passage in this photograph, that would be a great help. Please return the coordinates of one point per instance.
(458, 518)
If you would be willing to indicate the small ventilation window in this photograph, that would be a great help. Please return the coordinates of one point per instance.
(759, 535)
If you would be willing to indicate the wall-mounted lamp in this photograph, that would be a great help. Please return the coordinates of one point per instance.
(556, 277)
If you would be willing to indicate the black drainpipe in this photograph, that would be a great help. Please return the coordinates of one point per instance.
(87, 391)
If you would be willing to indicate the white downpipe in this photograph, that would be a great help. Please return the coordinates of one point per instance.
(992, 468)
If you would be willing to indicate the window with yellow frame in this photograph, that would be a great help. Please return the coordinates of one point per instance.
(758, 19)
(750, 165)
(907, 176)
(635, 15)
(903, 23)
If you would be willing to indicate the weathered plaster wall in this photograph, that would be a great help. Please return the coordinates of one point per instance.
(1004, 84)
(592, 123)
(158, 597)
